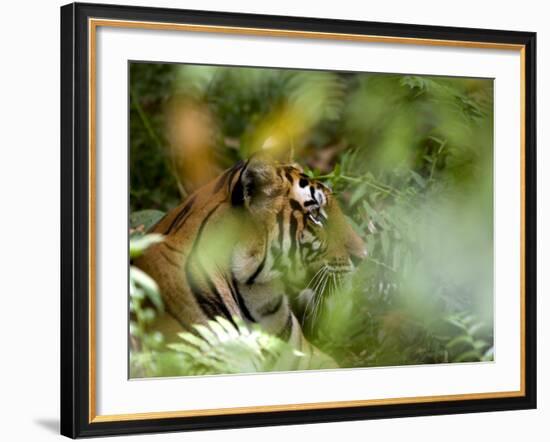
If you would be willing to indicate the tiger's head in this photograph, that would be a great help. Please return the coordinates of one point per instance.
(299, 232)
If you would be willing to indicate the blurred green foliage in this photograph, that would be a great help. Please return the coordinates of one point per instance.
(222, 347)
(410, 159)
(145, 304)
(152, 185)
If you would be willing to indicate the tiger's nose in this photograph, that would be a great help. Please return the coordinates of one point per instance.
(357, 254)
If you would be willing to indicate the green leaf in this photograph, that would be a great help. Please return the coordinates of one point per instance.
(138, 245)
(187, 349)
(489, 355)
(220, 332)
(460, 340)
(220, 347)
(469, 356)
(206, 334)
(337, 170)
(476, 328)
(145, 219)
(231, 331)
(194, 340)
(142, 280)
(480, 344)
(419, 179)
(456, 323)
(359, 193)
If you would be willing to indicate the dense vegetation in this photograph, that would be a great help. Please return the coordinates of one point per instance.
(410, 158)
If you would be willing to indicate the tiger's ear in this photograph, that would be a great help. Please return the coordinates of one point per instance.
(257, 186)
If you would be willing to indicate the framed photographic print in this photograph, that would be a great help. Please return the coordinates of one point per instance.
(279, 220)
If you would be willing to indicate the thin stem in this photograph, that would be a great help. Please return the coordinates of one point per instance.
(363, 179)
(145, 120)
(381, 264)
(380, 188)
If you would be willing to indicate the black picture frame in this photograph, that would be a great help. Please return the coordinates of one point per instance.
(75, 219)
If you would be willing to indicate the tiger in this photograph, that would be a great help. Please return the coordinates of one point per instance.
(243, 244)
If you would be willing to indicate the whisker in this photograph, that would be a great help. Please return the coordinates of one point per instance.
(314, 289)
(319, 299)
(339, 282)
(315, 276)
(320, 280)
(313, 301)
(334, 285)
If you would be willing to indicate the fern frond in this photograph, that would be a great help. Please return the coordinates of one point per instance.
(221, 347)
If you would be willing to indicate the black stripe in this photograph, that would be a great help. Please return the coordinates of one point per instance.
(233, 293)
(210, 307)
(289, 177)
(227, 176)
(280, 222)
(312, 192)
(240, 300)
(293, 230)
(220, 305)
(187, 209)
(184, 211)
(295, 205)
(252, 277)
(234, 170)
(154, 226)
(285, 333)
(237, 193)
(310, 203)
(221, 181)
